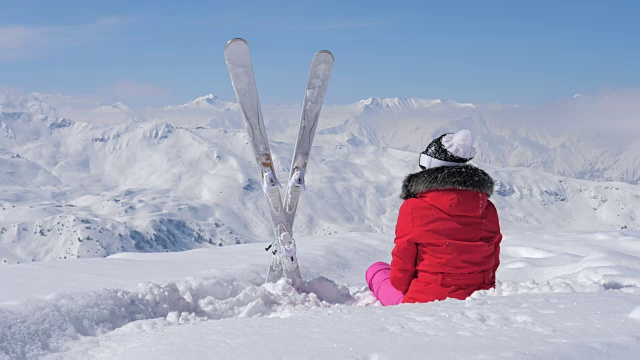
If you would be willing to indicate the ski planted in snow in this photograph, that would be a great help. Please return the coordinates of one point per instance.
(241, 72)
(284, 260)
(317, 83)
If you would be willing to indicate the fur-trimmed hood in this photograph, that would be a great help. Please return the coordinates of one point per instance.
(463, 177)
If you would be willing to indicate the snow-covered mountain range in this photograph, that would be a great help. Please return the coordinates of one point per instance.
(79, 178)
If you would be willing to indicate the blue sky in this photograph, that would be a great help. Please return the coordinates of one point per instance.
(169, 52)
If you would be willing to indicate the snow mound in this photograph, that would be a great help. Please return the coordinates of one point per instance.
(38, 327)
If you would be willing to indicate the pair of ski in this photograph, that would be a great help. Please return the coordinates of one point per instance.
(283, 249)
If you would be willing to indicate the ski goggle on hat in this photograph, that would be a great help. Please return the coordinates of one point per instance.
(428, 162)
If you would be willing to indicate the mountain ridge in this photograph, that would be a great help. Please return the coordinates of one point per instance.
(84, 183)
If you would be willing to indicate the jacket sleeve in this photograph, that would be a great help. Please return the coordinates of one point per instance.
(405, 252)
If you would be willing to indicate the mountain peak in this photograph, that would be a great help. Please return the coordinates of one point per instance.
(116, 107)
(375, 104)
(209, 101)
(209, 97)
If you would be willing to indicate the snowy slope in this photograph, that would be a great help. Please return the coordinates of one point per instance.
(206, 195)
(560, 295)
(504, 139)
(589, 137)
(103, 182)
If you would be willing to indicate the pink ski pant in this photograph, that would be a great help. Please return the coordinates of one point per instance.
(378, 278)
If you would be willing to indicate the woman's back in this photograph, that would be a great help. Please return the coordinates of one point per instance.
(456, 234)
(448, 236)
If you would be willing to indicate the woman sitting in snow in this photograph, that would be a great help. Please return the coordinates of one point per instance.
(447, 242)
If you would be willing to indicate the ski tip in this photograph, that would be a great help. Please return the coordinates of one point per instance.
(325, 52)
(236, 40)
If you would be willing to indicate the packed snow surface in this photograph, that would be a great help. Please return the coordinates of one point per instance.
(559, 295)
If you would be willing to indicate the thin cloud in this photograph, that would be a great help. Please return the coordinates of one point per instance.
(608, 110)
(22, 41)
(135, 93)
(130, 88)
(15, 41)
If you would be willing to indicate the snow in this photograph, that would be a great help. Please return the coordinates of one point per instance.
(90, 190)
(208, 102)
(117, 107)
(562, 295)
(163, 227)
(377, 105)
(543, 137)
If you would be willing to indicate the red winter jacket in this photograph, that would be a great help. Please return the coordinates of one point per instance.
(447, 239)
